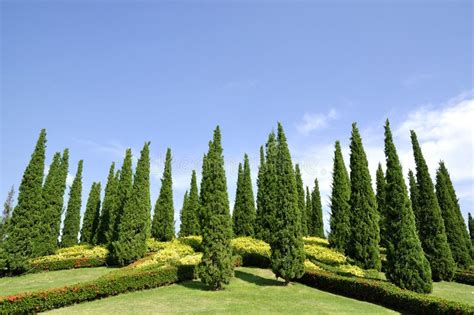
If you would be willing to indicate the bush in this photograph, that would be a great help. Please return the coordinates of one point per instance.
(194, 241)
(383, 293)
(253, 252)
(164, 253)
(312, 240)
(465, 276)
(324, 255)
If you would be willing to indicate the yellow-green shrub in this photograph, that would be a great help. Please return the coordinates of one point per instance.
(324, 255)
(194, 241)
(253, 252)
(350, 270)
(310, 267)
(313, 240)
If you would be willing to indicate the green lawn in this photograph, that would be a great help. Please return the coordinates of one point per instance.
(51, 279)
(251, 291)
(454, 291)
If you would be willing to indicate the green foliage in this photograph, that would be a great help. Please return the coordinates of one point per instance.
(315, 222)
(73, 212)
(253, 252)
(134, 228)
(340, 207)
(6, 215)
(364, 219)
(195, 241)
(456, 231)
(323, 254)
(407, 266)
(244, 209)
(471, 226)
(380, 197)
(90, 222)
(430, 226)
(286, 244)
(163, 219)
(105, 229)
(464, 276)
(216, 267)
(22, 230)
(413, 196)
(301, 200)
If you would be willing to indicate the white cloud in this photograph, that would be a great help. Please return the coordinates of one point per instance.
(312, 122)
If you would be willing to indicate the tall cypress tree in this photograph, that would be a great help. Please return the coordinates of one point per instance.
(244, 209)
(470, 222)
(340, 207)
(22, 230)
(413, 196)
(407, 266)
(380, 196)
(363, 245)
(287, 251)
(6, 215)
(308, 210)
(183, 228)
(72, 220)
(430, 223)
(456, 231)
(109, 205)
(216, 267)
(301, 200)
(90, 221)
(316, 219)
(134, 227)
(260, 194)
(163, 219)
(193, 207)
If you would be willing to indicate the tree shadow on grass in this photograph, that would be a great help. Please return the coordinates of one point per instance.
(195, 285)
(251, 278)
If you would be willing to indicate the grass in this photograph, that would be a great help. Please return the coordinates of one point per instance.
(454, 291)
(251, 291)
(46, 280)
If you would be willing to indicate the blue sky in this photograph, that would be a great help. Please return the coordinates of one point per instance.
(103, 76)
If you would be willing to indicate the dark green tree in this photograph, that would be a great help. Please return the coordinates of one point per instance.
(104, 232)
(194, 207)
(183, 228)
(7, 213)
(72, 220)
(380, 196)
(363, 245)
(430, 227)
(244, 209)
(91, 218)
(413, 195)
(471, 226)
(456, 231)
(316, 220)
(301, 200)
(21, 229)
(216, 267)
(308, 210)
(260, 194)
(339, 203)
(134, 227)
(162, 227)
(407, 266)
(287, 250)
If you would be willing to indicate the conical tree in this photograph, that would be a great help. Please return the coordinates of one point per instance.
(109, 205)
(471, 227)
(90, 221)
(134, 228)
(380, 196)
(363, 245)
(456, 231)
(6, 215)
(339, 203)
(183, 228)
(22, 230)
(316, 219)
(216, 267)
(413, 195)
(301, 200)
(162, 228)
(72, 220)
(193, 207)
(244, 209)
(287, 251)
(430, 223)
(260, 194)
(407, 266)
(124, 189)
(308, 210)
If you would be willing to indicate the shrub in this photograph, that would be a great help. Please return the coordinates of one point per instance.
(311, 267)
(175, 245)
(383, 293)
(465, 276)
(313, 240)
(324, 255)
(193, 240)
(253, 252)
(165, 253)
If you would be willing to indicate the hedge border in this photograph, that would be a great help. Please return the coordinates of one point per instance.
(464, 277)
(64, 264)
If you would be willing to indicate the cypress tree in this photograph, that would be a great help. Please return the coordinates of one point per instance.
(216, 267)
(407, 266)
(339, 203)
(363, 245)
(471, 227)
(316, 219)
(413, 196)
(308, 210)
(134, 226)
(301, 200)
(380, 196)
(104, 235)
(287, 250)
(6, 215)
(260, 195)
(90, 221)
(184, 217)
(244, 209)
(430, 223)
(193, 207)
(21, 229)
(456, 231)
(163, 219)
(72, 220)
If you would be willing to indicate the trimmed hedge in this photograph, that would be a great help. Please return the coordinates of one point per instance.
(383, 293)
(111, 284)
(194, 241)
(464, 276)
(253, 252)
(68, 263)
